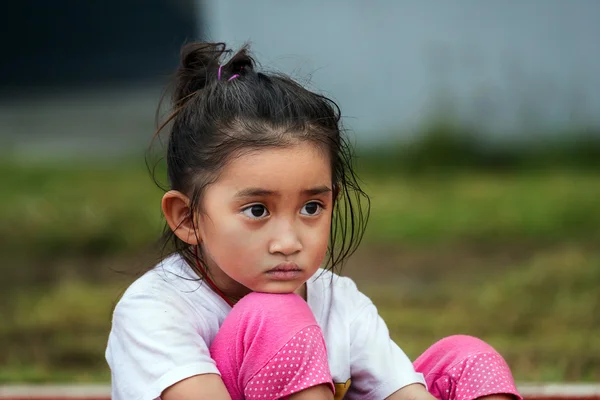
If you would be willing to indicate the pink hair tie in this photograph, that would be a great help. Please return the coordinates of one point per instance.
(232, 77)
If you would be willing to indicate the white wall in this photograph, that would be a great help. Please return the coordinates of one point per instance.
(505, 63)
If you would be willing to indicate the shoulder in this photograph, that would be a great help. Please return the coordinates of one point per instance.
(170, 274)
(161, 330)
(327, 279)
(338, 293)
(168, 290)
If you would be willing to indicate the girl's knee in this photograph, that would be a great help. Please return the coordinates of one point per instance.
(463, 366)
(281, 308)
(270, 302)
(261, 317)
(451, 350)
(462, 344)
(259, 332)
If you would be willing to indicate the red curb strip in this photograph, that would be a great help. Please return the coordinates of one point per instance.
(48, 397)
(55, 392)
(102, 392)
(548, 391)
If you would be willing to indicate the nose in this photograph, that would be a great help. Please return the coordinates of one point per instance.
(285, 240)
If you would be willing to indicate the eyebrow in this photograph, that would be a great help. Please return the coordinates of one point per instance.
(258, 192)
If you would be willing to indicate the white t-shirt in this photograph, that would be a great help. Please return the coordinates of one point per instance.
(166, 321)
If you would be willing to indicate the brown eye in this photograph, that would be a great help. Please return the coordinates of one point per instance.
(311, 208)
(255, 211)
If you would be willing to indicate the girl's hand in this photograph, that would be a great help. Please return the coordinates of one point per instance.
(412, 392)
(199, 387)
(319, 392)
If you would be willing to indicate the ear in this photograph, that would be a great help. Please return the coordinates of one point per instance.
(177, 212)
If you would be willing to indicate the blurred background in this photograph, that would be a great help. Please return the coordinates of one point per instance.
(477, 128)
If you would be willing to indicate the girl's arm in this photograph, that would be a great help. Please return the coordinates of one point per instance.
(155, 346)
(211, 387)
(411, 392)
(199, 387)
(319, 392)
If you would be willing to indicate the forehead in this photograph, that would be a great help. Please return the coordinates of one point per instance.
(292, 166)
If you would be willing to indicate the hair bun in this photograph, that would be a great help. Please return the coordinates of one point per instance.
(199, 63)
(240, 64)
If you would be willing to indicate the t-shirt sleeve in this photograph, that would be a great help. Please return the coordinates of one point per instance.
(378, 366)
(154, 344)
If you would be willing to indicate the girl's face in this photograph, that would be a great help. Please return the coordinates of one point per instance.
(265, 223)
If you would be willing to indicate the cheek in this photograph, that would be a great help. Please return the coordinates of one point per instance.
(318, 241)
(228, 240)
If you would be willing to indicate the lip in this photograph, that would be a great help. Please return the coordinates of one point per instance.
(285, 272)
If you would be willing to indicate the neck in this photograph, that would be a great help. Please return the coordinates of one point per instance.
(231, 290)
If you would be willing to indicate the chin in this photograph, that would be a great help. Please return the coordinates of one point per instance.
(280, 287)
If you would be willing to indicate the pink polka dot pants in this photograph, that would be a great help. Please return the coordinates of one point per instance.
(269, 347)
(300, 364)
(465, 368)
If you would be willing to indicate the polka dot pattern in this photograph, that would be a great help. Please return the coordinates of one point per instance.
(300, 364)
(477, 375)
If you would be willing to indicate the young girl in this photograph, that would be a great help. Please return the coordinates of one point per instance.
(262, 195)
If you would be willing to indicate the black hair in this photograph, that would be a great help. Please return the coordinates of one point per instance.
(223, 107)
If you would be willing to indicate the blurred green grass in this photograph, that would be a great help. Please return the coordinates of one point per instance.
(511, 256)
(108, 209)
(66, 209)
(542, 313)
(540, 205)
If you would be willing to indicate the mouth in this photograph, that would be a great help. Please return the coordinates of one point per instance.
(285, 272)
